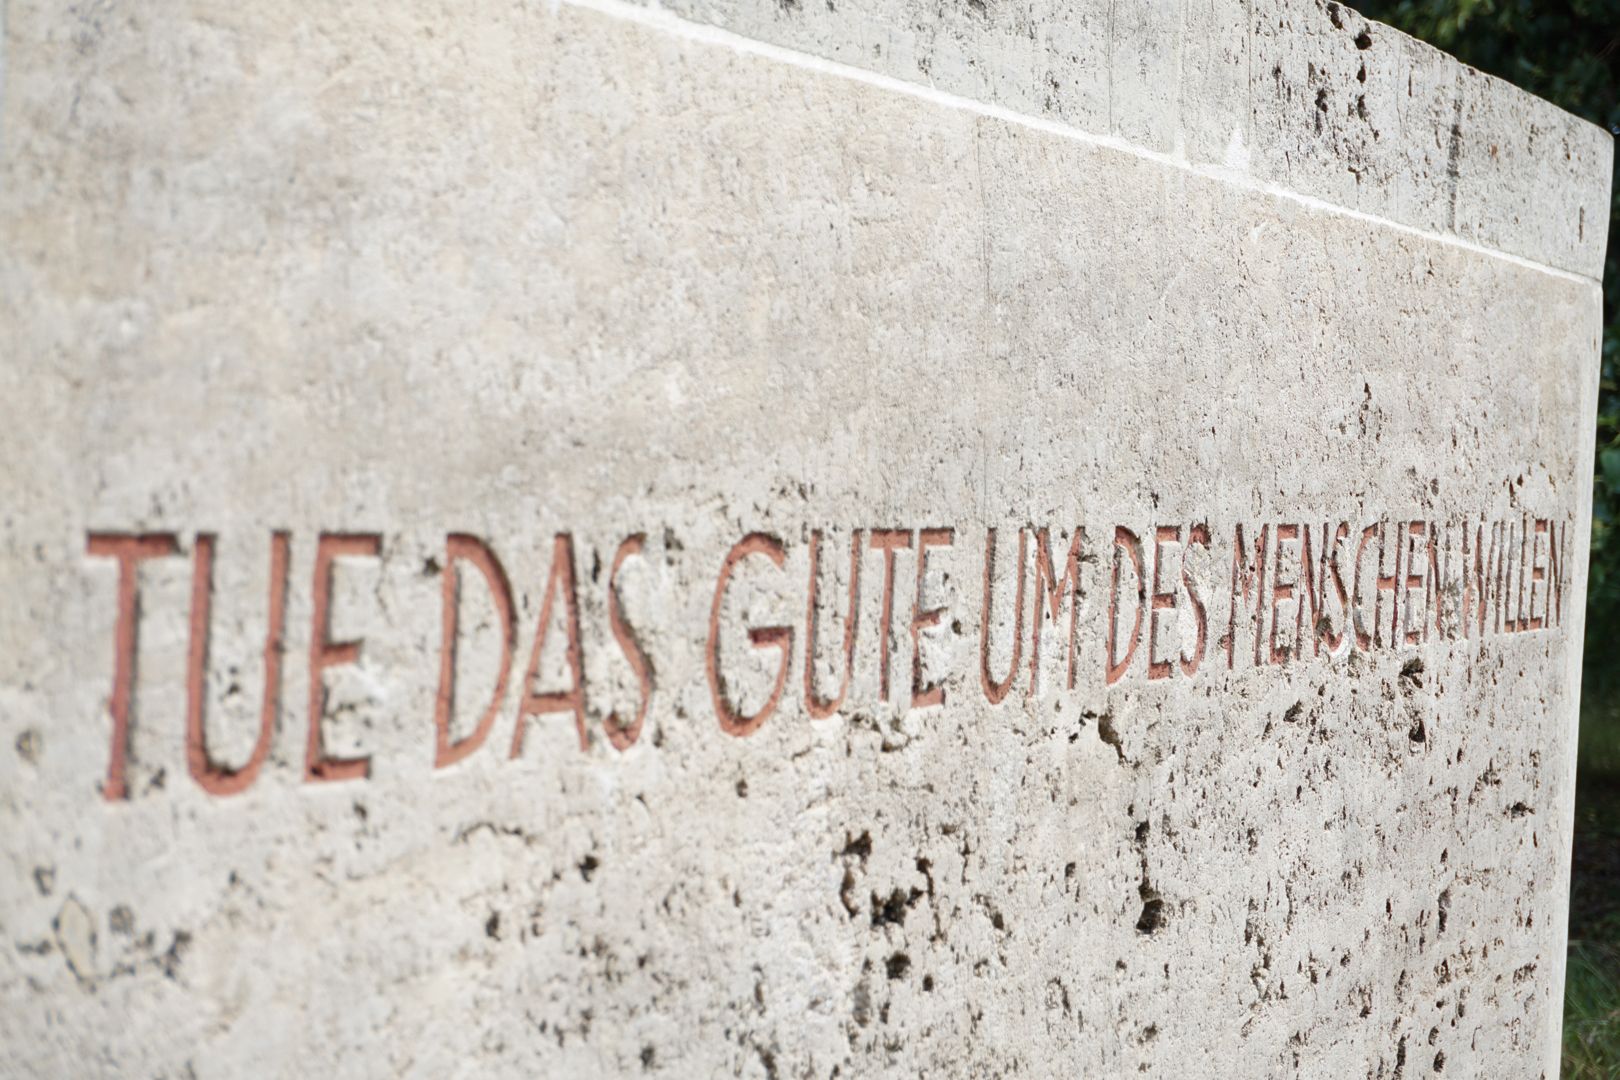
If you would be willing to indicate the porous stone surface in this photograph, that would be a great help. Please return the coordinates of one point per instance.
(830, 539)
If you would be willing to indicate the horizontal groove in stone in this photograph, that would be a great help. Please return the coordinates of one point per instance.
(1304, 94)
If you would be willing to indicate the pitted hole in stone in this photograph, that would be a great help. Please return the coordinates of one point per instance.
(897, 966)
(861, 1006)
(1363, 40)
(1412, 675)
(857, 849)
(588, 866)
(891, 911)
(846, 893)
(1108, 733)
(1153, 916)
(169, 962)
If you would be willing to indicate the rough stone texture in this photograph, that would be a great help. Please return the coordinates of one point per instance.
(1310, 97)
(514, 271)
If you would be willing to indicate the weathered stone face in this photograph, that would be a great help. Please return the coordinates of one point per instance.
(577, 542)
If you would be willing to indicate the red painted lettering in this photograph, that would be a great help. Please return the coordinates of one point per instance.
(1127, 541)
(1160, 600)
(815, 705)
(1388, 583)
(130, 549)
(458, 548)
(995, 691)
(572, 700)
(1197, 536)
(211, 777)
(325, 653)
(1048, 585)
(1330, 557)
(1557, 559)
(1364, 640)
(1409, 634)
(620, 734)
(921, 618)
(1538, 575)
(887, 541)
(733, 722)
(1282, 591)
(1252, 579)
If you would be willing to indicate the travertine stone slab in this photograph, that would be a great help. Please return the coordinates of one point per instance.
(435, 435)
(1308, 96)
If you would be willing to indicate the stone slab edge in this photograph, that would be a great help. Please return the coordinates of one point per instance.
(1305, 95)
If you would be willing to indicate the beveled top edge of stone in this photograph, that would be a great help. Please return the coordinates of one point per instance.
(1306, 95)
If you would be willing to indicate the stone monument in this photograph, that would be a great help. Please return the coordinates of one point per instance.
(819, 538)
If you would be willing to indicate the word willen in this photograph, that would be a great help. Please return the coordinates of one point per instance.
(1509, 579)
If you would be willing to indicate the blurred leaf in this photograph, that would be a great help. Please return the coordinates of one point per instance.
(1609, 463)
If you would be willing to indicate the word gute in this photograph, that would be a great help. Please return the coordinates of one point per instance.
(1329, 588)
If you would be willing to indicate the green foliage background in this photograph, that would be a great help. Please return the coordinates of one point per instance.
(1567, 51)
